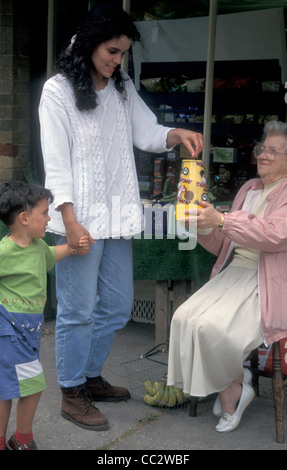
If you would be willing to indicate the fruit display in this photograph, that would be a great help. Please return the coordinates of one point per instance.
(163, 395)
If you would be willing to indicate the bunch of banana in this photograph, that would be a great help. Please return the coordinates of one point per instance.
(150, 389)
(156, 395)
(160, 394)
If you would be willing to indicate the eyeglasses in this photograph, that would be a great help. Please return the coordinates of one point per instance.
(269, 152)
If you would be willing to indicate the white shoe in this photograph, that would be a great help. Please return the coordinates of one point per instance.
(230, 422)
(217, 410)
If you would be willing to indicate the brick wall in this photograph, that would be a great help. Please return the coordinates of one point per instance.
(14, 88)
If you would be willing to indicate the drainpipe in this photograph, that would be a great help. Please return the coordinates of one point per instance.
(209, 84)
(125, 61)
(50, 37)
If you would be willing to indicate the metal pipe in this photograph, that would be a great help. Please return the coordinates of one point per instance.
(125, 61)
(50, 37)
(209, 83)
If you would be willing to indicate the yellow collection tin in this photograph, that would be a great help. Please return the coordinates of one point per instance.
(192, 186)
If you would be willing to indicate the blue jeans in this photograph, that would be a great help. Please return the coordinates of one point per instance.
(95, 298)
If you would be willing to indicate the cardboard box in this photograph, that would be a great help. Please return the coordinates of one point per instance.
(224, 155)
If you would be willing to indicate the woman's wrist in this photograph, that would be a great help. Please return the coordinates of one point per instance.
(68, 215)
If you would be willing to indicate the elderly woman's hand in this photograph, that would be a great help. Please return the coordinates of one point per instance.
(207, 217)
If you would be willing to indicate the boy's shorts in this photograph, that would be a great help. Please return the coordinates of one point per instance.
(21, 373)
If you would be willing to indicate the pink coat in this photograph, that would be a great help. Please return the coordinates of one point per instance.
(269, 236)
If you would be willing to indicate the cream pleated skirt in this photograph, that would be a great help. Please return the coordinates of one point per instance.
(213, 332)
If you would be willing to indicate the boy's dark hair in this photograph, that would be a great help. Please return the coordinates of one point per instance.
(17, 196)
(104, 22)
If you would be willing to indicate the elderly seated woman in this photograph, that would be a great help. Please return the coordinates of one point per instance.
(244, 303)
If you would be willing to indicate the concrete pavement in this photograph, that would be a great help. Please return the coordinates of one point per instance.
(136, 426)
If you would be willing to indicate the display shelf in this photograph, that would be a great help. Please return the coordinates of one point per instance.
(246, 95)
(230, 99)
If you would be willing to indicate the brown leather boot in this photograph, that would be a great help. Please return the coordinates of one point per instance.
(78, 408)
(101, 390)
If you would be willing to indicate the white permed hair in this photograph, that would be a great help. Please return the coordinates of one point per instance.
(275, 128)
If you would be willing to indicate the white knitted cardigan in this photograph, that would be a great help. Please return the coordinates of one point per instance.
(88, 156)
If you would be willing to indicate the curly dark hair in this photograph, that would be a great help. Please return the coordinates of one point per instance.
(18, 196)
(103, 23)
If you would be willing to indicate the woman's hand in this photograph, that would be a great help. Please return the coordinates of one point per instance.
(193, 141)
(207, 217)
(78, 238)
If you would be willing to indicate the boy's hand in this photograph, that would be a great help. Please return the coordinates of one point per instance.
(84, 245)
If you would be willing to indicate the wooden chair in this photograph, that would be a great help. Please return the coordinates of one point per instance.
(277, 388)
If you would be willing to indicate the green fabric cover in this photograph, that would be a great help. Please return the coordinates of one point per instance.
(161, 260)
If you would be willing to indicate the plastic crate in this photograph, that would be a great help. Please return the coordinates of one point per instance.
(147, 381)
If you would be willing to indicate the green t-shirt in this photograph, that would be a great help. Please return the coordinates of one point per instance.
(23, 275)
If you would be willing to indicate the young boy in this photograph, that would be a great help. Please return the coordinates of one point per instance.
(24, 261)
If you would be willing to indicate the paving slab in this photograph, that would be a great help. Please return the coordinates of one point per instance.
(135, 426)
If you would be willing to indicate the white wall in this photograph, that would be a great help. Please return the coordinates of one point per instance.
(240, 36)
